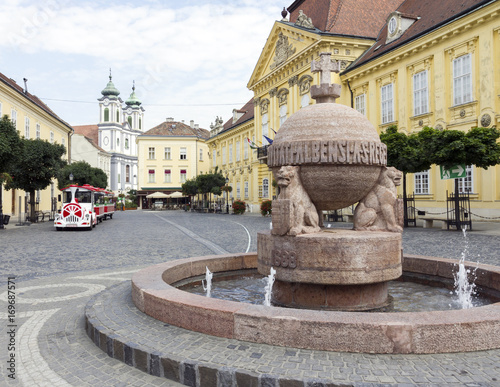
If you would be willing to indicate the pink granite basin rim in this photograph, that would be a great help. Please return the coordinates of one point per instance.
(415, 332)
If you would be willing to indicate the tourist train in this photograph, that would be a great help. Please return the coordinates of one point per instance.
(83, 207)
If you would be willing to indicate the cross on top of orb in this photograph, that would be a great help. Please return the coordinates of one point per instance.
(325, 66)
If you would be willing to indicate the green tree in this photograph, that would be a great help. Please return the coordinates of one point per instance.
(404, 152)
(83, 173)
(10, 146)
(190, 188)
(35, 166)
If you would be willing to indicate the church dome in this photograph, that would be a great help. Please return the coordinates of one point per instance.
(133, 101)
(110, 89)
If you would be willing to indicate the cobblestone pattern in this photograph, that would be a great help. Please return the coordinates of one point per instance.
(58, 272)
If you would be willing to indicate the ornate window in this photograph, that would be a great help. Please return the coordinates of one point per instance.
(283, 114)
(183, 175)
(26, 127)
(237, 151)
(230, 153)
(223, 155)
(246, 189)
(118, 116)
(360, 104)
(238, 191)
(126, 143)
(151, 176)
(466, 184)
(51, 137)
(387, 103)
(129, 119)
(245, 150)
(167, 176)
(127, 173)
(265, 128)
(420, 93)
(422, 183)
(13, 117)
(265, 188)
(462, 80)
(37, 133)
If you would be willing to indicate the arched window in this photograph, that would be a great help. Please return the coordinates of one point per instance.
(130, 121)
(126, 144)
(117, 116)
(140, 123)
(106, 115)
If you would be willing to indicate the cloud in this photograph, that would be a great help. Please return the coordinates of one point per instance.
(190, 51)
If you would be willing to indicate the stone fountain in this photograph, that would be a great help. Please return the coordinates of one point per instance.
(326, 157)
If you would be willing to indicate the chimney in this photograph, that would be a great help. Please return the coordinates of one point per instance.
(196, 126)
(191, 124)
(25, 85)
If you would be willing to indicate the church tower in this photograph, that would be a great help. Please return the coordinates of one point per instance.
(118, 130)
(133, 112)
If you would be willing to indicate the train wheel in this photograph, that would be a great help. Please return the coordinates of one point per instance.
(59, 228)
(110, 216)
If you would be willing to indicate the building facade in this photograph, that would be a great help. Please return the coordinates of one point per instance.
(118, 128)
(435, 66)
(85, 148)
(169, 154)
(231, 152)
(32, 119)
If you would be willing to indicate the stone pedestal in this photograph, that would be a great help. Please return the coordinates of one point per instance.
(332, 269)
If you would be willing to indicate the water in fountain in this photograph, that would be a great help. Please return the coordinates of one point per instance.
(269, 287)
(464, 289)
(207, 284)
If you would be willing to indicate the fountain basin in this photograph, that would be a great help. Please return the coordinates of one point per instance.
(411, 332)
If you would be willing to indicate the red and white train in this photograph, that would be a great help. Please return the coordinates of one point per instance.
(83, 207)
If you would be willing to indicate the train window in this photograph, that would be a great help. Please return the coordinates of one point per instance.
(84, 197)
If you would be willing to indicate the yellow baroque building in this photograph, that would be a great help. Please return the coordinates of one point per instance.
(168, 155)
(32, 119)
(436, 66)
(281, 83)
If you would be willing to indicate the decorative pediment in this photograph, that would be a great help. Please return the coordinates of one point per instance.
(283, 51)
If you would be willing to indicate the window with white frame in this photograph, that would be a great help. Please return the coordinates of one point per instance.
(265, 188)
(359, 103)
(387, 103)
(127, 173)
(151, 176)
(304, 100)
(183, 154)
(223, 155)
(283, 114)
(420, 93)
(37, 132)
(51, 137)
(466, 184)
(167, 176)
(422, 183)
(151, 153)
(13, 117)
(265, 128)
(462, 80)
(246, 189)
(214, 158)
(230, 153)
(183, 175)
(237, 151)
(26, 127)
(238, 191)
(246, 146)
(168, 153)
(201, 154)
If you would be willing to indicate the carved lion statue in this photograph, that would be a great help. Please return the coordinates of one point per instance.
(304, 218)
(377, 211)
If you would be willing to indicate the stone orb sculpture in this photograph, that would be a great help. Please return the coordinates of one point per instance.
(338, 150)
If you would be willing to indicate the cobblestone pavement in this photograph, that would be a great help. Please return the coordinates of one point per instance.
(55, 274)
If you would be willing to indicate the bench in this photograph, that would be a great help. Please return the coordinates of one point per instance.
(429, 222)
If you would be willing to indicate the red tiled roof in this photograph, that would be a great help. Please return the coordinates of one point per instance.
(89, 131)
(176, 129)
(362, 18)
(247, 109)
(431, 15)
(33, 98)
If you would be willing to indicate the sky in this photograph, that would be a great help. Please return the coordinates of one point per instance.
(190, 60)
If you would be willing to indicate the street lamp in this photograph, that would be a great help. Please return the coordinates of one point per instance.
(227, 197)
(71, 176)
